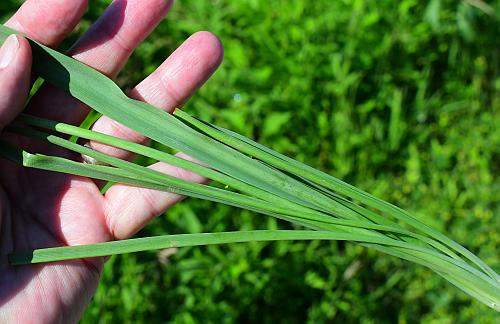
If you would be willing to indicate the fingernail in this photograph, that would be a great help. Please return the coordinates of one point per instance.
(8, 51)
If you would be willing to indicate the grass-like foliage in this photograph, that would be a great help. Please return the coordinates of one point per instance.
(256, 178)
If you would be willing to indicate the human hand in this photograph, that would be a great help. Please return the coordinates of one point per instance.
(41, 209)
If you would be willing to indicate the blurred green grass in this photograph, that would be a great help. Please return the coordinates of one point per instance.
(400, 98)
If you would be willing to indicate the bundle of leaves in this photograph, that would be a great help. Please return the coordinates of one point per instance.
(255, 177)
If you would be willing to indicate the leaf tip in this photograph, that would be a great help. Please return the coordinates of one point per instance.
(27, 158)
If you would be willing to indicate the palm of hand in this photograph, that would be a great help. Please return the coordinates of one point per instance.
(48, 210)
(41, 209)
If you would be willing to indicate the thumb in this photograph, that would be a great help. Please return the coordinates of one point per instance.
(15, 70)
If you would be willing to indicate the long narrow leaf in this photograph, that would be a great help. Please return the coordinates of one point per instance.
(181, 240)
(285, 163)
(160, 178)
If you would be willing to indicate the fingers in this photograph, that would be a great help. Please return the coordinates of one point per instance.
(128, 208)
(105, 47)
(169, 86)
(183, 72)
(47, 21)
(15, 71)
(123, 26)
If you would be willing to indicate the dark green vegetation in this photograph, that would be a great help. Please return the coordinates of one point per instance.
(398, 98)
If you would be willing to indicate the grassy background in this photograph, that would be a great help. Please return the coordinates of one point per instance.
(400, 98)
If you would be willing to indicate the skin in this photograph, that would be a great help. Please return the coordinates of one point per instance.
(41, 209)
